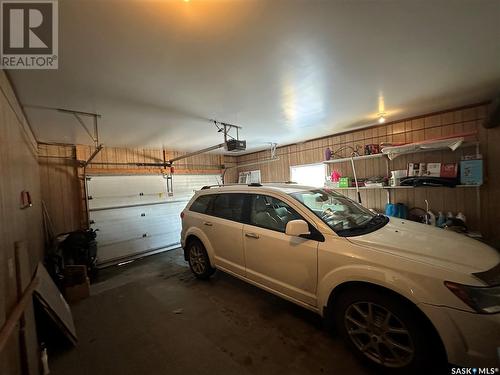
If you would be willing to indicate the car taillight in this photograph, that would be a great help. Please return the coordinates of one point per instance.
(182, 215)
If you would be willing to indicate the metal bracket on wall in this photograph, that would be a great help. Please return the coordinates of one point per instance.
(170, 185)
(78, 115)
(93, 155)
(94, 135)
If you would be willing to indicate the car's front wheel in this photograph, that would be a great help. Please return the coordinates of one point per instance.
(198, 260)
(386, 331)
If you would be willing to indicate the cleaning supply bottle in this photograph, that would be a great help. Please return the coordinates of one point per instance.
(44, 359)
(328, 153)
(440, 220)
(461, 216)
(432, 218)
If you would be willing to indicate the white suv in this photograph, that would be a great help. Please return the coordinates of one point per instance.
(403, 295)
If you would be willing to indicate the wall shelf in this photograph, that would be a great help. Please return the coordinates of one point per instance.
(463, 145)
(390, 191)
(381, 155)
(402, 187)
(416, 187)
(355, 158)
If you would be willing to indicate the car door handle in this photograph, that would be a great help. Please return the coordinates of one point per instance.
(207, 223)
(252, 235)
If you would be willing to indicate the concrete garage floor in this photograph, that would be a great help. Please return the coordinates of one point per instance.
(153, 317)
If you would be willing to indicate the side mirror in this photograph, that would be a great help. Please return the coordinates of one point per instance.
(297, 228)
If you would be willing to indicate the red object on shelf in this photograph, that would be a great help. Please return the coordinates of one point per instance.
(335, 176)
(449, 170)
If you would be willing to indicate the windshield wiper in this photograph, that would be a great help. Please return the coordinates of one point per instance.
(376, 222)
(377, 219)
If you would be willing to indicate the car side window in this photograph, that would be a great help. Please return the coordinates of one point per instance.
(202, 204)
(271, 213)
(229, 206)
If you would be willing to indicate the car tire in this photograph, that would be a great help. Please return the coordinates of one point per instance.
(198, 260)
(387, 332)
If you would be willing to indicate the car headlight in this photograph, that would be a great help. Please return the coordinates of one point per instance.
(485, 300)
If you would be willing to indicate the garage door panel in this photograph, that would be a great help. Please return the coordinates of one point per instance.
(171, 236)
(123, 250)
(111, 186)
(148, 214)
(107, 202)
(119, 231)
(134, 213)
(112, 224)
(113, 191)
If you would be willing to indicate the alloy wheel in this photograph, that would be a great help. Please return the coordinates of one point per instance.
(379, 334)
(197, 259)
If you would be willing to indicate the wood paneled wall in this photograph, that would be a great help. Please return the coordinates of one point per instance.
(490, 192)
(60, 186)
(19, 171)
(114, 160)
(455, 121)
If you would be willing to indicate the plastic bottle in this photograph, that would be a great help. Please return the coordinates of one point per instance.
(45, 360)
(432, 218)
(461, 216)
(440, 220)
(328, 153)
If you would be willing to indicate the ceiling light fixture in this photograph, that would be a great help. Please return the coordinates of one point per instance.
(381, 117)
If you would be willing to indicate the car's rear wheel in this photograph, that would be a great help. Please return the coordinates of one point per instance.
(198, 260)
(386, 331)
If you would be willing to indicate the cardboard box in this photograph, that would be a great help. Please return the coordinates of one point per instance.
(413, 169)
(471, 172)
(77, 292)
(445, 170)
(449, 170)
(417, 169)
(76, 283)
(74, 274)
(422, 171)
(433, 169)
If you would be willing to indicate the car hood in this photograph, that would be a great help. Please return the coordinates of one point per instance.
(427, 244)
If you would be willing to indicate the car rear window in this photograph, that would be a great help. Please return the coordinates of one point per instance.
(201, 204)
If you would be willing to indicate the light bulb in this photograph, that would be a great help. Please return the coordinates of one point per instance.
(381, 119)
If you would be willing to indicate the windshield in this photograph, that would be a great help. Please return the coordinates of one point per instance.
(344, 216)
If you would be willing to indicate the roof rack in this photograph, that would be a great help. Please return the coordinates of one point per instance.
(235, 184)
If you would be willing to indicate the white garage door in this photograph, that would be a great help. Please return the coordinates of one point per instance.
(135, 216)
